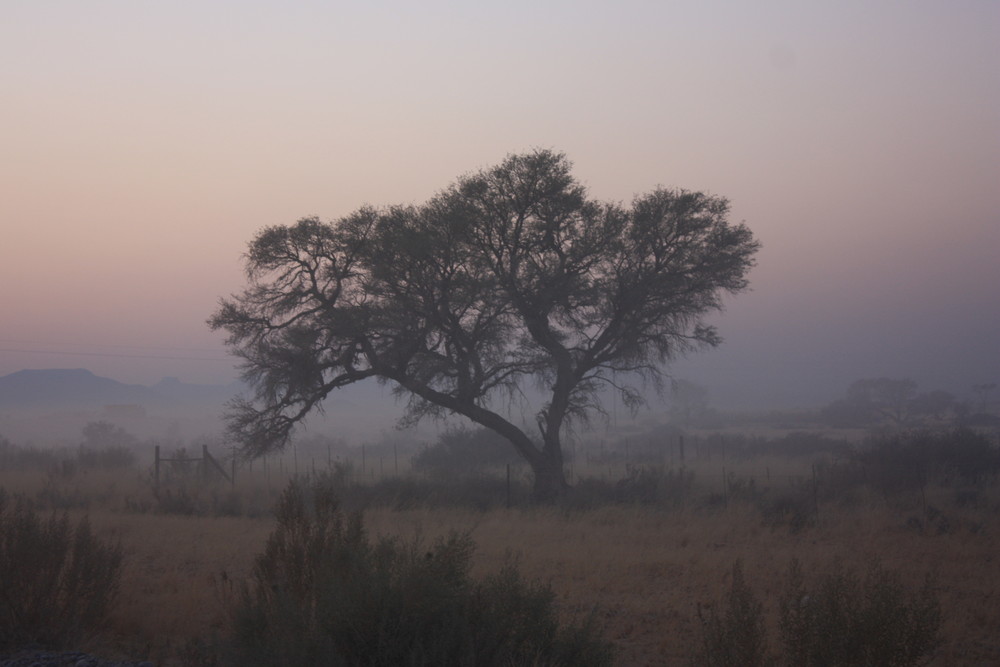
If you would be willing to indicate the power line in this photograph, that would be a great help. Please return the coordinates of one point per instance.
(14, 341)
(118, 354)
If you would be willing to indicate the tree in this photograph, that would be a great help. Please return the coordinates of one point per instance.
(510, 275)
(983, 392)
(105, 435)
(883, 398)
(688, 401)
(934, 404)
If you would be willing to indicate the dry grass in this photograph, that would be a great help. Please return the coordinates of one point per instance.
(642, 571)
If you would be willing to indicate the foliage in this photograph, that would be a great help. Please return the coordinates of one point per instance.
(843, 620)
(794, 507)
(17, 457)
(107, 458)
(907, 460)
(102, 434)
(464, 452)
(323, 592)
(59, 580)
(890, 402)
(649, 485)
(478, 492)
(735, 634)
(510, 276)
(688, 401)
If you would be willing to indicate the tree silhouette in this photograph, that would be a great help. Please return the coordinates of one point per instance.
(511, 275)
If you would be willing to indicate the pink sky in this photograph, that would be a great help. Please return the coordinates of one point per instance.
(143, 144)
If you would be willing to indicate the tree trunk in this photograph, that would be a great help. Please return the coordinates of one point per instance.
(550, 479)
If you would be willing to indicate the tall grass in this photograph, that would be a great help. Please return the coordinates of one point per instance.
(59, 580)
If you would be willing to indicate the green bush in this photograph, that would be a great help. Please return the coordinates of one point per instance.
(734, 634)
(844, 620)
(59, 580)
(322, 592)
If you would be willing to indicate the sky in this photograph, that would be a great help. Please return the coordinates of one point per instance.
(142, 145)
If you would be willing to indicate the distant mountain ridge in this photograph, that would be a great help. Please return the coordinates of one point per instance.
(78, 387)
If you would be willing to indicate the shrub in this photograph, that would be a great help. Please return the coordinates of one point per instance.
(655, 485)
(846, 621)
(111, 457)
(66, 578)
(841, 620)
(905, 461)
(794, 507)
(464, 451)
(322, 592)
(641, 485)
(734, 635)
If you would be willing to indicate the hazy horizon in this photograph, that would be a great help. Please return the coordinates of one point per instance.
(144, 146)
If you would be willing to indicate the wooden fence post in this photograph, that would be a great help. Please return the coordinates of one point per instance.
(815, 492)
(508, 486)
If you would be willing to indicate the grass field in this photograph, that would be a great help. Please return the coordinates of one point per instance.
(642, 569)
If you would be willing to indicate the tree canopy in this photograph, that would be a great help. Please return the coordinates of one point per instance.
(510, 275)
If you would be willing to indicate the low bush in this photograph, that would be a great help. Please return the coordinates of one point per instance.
(840, 620)
(906, 461)
(480, 492)
(464, 451)
(59, 580)
(844, 620)
(642, 485)
(323, 592)
(793, 507)
(733, 633)
(112, 457)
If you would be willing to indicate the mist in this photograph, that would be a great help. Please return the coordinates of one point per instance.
(860, 144)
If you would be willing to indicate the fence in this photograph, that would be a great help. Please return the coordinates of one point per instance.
(209, 465)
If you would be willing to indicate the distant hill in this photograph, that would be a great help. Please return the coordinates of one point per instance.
(78, 387)
(54, 404)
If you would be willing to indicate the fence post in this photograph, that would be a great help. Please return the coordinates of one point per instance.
(156, 467)
(508, 486)
(815, 492)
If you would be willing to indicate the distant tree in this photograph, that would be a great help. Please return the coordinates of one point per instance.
(106, 446)
(983, 391)
(688, 400)
(511, 275)
(935, 404)
(883, 398)
(102, 435)
(893, 401)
